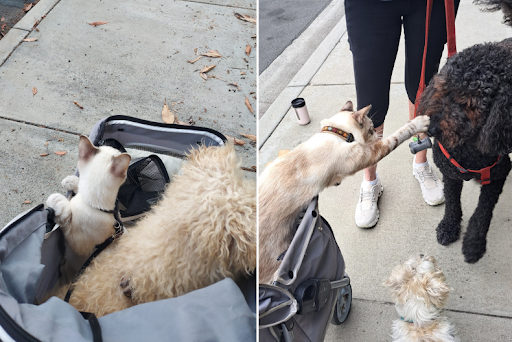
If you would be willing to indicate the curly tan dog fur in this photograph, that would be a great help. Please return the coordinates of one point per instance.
(202, 231)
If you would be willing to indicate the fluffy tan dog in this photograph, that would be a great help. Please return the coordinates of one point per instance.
(290, 182)
(202, 231)
(420, 291)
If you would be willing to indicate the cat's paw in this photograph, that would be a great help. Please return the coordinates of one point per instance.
(420, 124)
(56, 201)
(60, 205)
(125, 286)
(70, 183)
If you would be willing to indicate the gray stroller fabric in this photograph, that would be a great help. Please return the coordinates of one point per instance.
(132, 131)
(216, 313)
(313, 253)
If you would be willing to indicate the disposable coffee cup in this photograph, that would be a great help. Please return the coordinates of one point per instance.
(299, 106)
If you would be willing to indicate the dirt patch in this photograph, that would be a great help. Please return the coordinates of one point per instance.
(11, 11)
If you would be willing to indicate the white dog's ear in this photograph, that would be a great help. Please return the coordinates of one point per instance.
(349, 107)
(437, 289)
(398, 281)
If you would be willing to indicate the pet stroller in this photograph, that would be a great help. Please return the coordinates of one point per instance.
(32, 251)
(311, 289)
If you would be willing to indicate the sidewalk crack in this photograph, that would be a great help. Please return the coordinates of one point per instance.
(39, 125)
(450, 310)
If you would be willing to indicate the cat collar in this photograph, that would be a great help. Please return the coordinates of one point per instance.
(348, 137)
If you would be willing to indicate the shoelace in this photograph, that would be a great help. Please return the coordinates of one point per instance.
(368, 195)
(426, 173)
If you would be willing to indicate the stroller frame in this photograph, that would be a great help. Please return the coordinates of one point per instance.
(311, 286)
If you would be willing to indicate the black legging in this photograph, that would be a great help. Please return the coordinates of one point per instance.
(374, 29)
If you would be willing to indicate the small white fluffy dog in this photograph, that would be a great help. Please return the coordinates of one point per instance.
(420, 291)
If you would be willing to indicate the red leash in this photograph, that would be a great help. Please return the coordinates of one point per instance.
(449, 8)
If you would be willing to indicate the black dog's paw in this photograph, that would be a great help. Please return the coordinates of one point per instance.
(473, 249)
(448, 232)
(125, 286)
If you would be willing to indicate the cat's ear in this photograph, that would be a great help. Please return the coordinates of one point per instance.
(120, 165)
(349, 107)
(360, 114)
(86, 150)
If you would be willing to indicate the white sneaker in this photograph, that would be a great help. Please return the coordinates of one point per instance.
(431, 187)
(367, 211)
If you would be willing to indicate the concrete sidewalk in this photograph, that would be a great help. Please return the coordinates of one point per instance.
(128, 66)
(481, 303)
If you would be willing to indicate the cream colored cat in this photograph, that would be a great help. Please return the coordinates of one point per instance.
(290, 182)
(102, 172)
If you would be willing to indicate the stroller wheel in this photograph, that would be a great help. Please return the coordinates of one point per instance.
(343, 305)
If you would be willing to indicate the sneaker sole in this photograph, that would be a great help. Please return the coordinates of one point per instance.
(374, 222)
(441, 201)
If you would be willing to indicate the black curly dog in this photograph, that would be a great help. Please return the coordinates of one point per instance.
(470, 105)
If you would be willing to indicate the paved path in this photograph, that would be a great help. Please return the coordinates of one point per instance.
(128, 66)
(481, 303)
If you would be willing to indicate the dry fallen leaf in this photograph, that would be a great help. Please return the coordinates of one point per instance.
(34, 91)
(203, 75)
(184, 123)
(245, 18)
(248, 104)
(46, 143)
(98, 23)
(78, 105)
(167, 115)
(235, 140)
(27, 202)
(248, 50)
(247, 169)
(61, 139)
(249, 136)
(207, 68)
(211, 53)
(44, 154)
(195, 60)
(27, 7)
(30, 39)
(242, 73)
(60, 153)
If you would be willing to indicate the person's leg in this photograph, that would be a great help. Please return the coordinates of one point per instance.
(414, 29)
(374, 29)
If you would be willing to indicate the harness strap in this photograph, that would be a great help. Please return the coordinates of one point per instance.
(99, 248)
(485, 173)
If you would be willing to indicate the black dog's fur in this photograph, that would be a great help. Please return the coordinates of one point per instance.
(470, 105)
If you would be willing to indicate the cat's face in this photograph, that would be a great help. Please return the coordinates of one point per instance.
(356, 122)
(105, 165)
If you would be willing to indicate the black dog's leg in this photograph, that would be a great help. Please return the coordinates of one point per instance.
(448, 230)
(473, 245)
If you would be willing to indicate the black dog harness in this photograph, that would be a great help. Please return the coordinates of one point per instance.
(118, 231)
(485, 173)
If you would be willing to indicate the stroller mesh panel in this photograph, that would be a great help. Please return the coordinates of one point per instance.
(145, 182)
